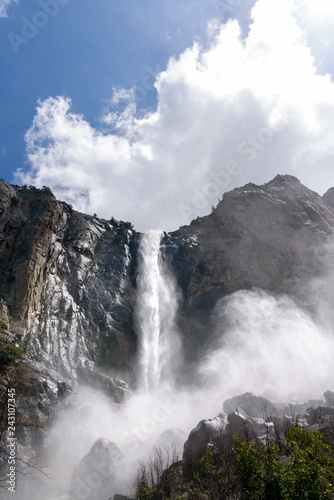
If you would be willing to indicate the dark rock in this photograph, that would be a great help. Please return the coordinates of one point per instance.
(96, 474)
(279, 428)
(241, 425)
(64, 273)
(267, 237)
(205, 432)
(253, 406)
(322, 415)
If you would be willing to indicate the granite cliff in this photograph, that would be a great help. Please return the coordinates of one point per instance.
(68, 280)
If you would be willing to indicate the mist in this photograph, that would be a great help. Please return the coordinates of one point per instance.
(262, 342)
(269, 342)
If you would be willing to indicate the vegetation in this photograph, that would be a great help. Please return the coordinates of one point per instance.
(156, 475)
(301, 468)
(9, 354)
(305, 471)
(3, 326)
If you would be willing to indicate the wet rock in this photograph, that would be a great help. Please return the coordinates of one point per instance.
(205, 432)
(113, 387)
(65, 278)
(241, 425)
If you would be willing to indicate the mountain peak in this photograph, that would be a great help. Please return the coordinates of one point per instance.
(329, 196)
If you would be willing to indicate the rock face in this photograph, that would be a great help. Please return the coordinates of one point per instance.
(65, 280)
(258, 236)
(68, 280)
(66, 297)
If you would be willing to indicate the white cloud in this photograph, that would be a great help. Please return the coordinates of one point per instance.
(319, 8)
(236, 111)
(4, 5)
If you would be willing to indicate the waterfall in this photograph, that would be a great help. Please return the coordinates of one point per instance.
(159, 344)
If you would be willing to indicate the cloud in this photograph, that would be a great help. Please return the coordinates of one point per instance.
(4, 5)
(319, 8)
(239, 109)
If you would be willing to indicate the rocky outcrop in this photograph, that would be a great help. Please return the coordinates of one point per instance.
(252, 417)
(96, 474)
(267, 236)
(258, 236)
(67, 298)
(254, 406)
(65, 280)
(205, 432)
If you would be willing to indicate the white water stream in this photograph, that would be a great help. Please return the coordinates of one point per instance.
(159, 346)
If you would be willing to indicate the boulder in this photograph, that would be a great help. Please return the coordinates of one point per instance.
(253, 406)
(205, 432)
(96, 475)
(241, 425)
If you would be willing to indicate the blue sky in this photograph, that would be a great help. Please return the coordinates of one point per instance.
(150, 110)
(83, 52)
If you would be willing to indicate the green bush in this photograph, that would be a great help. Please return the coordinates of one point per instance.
(9, 354)
(206, 466)
(144, 492)
(259, 470)
(309, 473)
(3, 326)
(306, 473)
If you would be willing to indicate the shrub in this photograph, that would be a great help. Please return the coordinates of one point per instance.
(310, 470)
(9, 354)
(3, 326)
(306, 472)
